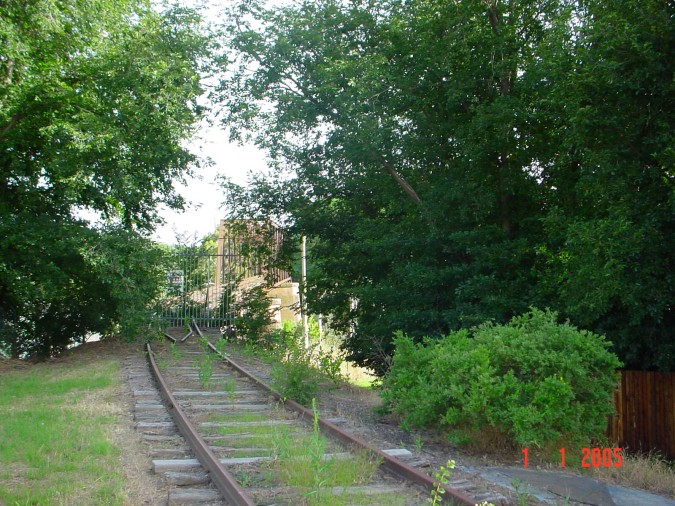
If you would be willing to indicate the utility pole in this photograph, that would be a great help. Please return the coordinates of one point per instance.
(303, 291)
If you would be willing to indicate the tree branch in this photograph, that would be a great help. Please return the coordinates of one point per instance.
(397, 176)
(12, 123)
(305, 93)
(9, 70)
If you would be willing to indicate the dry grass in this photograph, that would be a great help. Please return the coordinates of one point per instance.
(141, 486)
(8, 365)
(647, 472)
(357, 375)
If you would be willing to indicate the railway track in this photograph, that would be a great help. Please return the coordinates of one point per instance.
(222, 436)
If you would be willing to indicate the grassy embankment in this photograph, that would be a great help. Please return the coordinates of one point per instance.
(55, 423)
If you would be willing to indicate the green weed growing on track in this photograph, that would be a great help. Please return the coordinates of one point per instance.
(300, 462)
(444, 472)
(175, 353)
(205, 369)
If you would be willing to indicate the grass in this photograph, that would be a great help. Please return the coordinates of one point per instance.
(246, 430)
(205, 369)
(53, 444)
(647, 472)
(358, 376)
(245, 441)
(363, 383)
(238, 416)
(300, 463)
(230, 388)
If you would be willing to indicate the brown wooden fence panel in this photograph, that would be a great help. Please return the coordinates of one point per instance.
(645, 413)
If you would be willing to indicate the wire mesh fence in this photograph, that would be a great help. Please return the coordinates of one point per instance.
(206, 286)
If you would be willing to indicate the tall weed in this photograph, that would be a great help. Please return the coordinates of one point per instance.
(298, 372)
(295, 376)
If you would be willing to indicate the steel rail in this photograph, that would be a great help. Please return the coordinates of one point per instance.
(389, 463)
(224, 481)
(195, 328)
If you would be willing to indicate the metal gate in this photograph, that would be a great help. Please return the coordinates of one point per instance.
(206, 286)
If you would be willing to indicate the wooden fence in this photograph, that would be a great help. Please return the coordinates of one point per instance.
(645, 413)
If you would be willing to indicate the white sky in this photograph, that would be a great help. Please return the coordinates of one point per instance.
(203, 193)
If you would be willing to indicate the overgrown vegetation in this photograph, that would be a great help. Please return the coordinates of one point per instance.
(534, 382)
(300, 462)
(295, 374)
(300, 373)
(521, 151)
(96, 100)
(254, 317)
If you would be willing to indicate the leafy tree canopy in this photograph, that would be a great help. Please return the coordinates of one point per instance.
(457, 162)
(96, 98)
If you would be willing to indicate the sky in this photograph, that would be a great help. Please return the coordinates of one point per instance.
(203, 193)
(229, 159)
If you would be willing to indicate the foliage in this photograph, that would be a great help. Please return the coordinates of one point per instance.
(608, 261)
(298, 372)
(295, 374)
(444, 472)
(131, 265)
(253, 316)
(380, 119)
(330, 363)
(95, 100)
(205, 369)
(86, 281)
(458, 162)
(536, 382)
(300, 461)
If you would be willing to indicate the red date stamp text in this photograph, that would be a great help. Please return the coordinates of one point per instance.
(590, 457)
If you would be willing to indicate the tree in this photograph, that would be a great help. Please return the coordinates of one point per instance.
(95, 100)
(610, 217)
(412, 131)
(457, 162)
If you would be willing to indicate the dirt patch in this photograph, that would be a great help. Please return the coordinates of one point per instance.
(8, 365)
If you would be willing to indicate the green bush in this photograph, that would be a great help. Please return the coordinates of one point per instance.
(532, 381)
(295, 376)
(254, 317)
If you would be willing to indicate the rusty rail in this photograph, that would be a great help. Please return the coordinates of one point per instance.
(224, 481)
(195, 328)
(389, 463)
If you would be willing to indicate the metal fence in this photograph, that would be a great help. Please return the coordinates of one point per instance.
(206, 286)
(192, 292)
